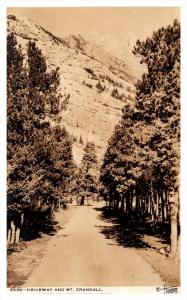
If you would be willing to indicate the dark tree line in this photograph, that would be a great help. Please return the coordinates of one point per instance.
(140, 172)
(39, 155)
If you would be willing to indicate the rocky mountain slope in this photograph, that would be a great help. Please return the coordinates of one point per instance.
(121, 46)
(97, 82)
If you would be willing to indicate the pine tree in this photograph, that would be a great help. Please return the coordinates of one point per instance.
(18, 124)
(158, 97)
(141, 164)
(61, 169)
(86, 178)
(81, 140)
(39, 156)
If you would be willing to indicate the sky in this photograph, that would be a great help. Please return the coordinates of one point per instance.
(139, 21)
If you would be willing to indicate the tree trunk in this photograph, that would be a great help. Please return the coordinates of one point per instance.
(17, 235)
(173, 201)
(162, 205)
(157, 205)
(13, 232)
(9, 235)
(166, 206)
(137, 201)
(122, 203)
(133, 199)
(117, 201)
(127, 202)
(130, 202)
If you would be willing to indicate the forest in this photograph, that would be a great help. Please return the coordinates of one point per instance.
(41, 170)
(140, 171)
(139, 174)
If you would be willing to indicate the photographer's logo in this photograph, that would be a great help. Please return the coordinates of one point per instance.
(167, 289)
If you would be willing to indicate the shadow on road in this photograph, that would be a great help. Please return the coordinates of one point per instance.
(119, 231)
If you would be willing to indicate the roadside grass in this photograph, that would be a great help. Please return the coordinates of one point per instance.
(168, 268)
(152, 245)
(23, 258)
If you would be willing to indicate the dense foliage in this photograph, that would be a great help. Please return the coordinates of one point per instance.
(141, 165)
(39, 158)
(85, 181)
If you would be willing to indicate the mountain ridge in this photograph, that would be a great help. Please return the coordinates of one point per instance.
(98, 83)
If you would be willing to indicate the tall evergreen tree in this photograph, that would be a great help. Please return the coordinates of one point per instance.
(142, 158)
(39, 156)
(86, 177)
(159, 104)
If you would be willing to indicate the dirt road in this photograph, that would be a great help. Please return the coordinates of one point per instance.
(80, 255)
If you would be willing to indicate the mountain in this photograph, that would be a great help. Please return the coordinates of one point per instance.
(96, 80)
(94, 50)
(121, 46)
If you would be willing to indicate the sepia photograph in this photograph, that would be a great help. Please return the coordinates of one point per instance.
(93, 149)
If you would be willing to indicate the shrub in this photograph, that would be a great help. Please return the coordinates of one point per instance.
(91, 72)
(100, 87)
(87, 84)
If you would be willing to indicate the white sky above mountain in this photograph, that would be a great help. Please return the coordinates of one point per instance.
(139, 21)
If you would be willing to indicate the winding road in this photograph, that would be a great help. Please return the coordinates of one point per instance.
(80, 255)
